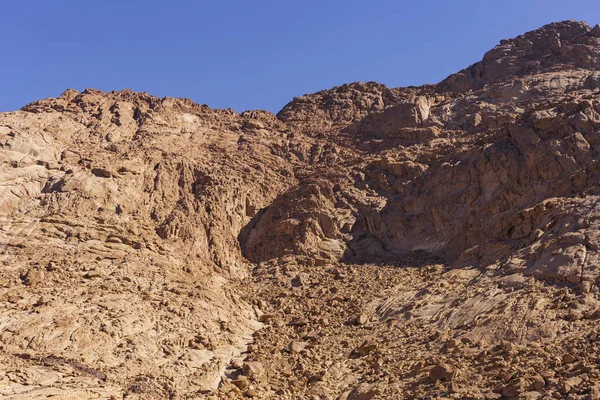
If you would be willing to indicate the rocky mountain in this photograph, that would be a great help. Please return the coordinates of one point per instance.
(428, 242)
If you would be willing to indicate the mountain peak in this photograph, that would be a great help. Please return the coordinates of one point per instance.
(559, 45)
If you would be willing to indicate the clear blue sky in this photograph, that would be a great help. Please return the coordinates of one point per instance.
(252, 54)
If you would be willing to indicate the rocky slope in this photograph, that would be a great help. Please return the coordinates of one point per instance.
(427, 242)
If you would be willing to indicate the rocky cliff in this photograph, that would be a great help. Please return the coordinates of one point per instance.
(366, 242)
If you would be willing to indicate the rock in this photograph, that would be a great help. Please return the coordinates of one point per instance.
(361, 319)
(571, 384)
(297, 347)
(69, 94)
(93, 274)
(531, 395)
(592, 314)
(443, 372)
(299, 321)
(40, 302)
(568, 358)
(253, 370)
(302, 279)
(266, 317)
(241, 383)
(595, 392)
(513, 281)
(511, 390)
(102, 173)
(364, 392)
(13, 298)
(366, 348)
(537, 383)
(456, 388)
(33, 277)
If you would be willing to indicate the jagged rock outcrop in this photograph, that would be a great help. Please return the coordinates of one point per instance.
(129, 207)
(558, 46)
(470, 165)
(332, 109)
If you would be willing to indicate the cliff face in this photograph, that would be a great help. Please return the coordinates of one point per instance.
(474, 172)
(121, 213)
(367, 241)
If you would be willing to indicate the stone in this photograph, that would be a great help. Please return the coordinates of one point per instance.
(264, 318)
(568, 358)
(41, 302)
(511, 390)
(443, 372)
(13, 298)
(302, 279)
(92, 274)
(595, 392)
(570, 384)
(364, 391)
(33, 277)
(361, 319)
(537, 383)
(456, 388)
(297, 347)
(299, 321)
(253, 369)
(241, 383)
(366, 348)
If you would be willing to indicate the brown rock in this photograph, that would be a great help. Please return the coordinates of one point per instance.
(443, 372)
(241, 383)
(93, 274)
(537, 383)
(253, 370)
(595, 392)
(13, 298)
(364, 392)
(361, 319)
(266, 317)
(297, 347)
(33, 277)
(568, 358)
(302, 279)
(571, 384)
(299, 321)
(511, 390)
(366, 348)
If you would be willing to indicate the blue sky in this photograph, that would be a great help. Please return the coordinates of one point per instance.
(251, 54)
